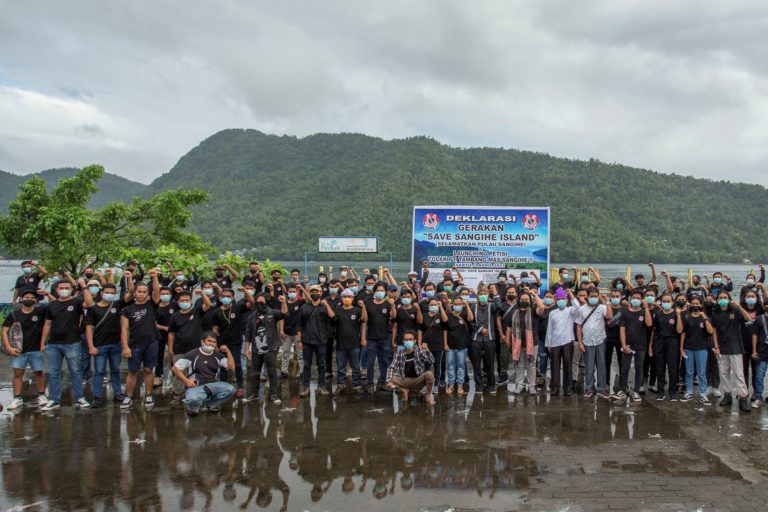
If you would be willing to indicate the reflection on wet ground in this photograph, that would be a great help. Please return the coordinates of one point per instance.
(477, 452)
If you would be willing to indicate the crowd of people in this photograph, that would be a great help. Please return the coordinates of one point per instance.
(416, 336)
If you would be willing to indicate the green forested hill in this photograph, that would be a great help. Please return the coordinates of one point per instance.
(278, 194)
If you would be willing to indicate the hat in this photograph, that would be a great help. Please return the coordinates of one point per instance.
(347, 293)
(392, 288)
(315, 287)
(560, 294)
(94, 282)
(413, 273)
(27, 291)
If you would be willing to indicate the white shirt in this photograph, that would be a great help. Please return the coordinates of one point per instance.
(592, 332)
(560, 325)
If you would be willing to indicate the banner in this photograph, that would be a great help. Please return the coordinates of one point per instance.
(348, 244)
(481, 241)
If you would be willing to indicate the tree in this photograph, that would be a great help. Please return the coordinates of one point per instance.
(64, 233)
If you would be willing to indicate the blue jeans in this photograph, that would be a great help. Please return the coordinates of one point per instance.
(457, 361)
(56, 353)
(111, 354)
(353, 356)
(306, 353)
(381, 350)
(762, 366)
(85, 358)
(364, 357)
(696, 358)
(217, 393)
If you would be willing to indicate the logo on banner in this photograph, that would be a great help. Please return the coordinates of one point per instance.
(530, 221)
(431, 221)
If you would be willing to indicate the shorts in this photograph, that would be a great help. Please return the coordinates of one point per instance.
(34, 359)
(144, 355)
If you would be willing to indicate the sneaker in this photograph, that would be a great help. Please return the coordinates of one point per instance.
(744, 405)
(16, 403)
(642, 390)
(588, 394)
(705, 400)
(304, 394)
(449, 390)
(275, 400)
(653, 389)
(339, 390)
(687, 397)
(359, 390)
(157, 382)
(603, 395)
(127, 403)
(249, 398)
(97, 402)
(726, 401)
(492, 391)
(532, 390)
(50, 406)
(82, 403)
(717, 393)
(503, 381)
(322, 391)
(660, 397)
(214, 409)
(119, 399)
(673, 397)
(459, 390)
(149, 401)
(636, 397)
(190, 412)
(176, 400)
(621, 395)
(42, 400)
(756, 404)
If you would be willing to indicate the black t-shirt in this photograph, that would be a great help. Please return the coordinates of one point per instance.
(348, 327)
(665, 325)
(142, 328)
(163, 316)
(207, 318)
(65, 319)
(406, 321)
(291, 323)
(636, 330)
(203, 369)
(231, 323)
(505, 315)
(760, 328)
(29, 281)
(544, 321)
(378, 320)
(313, 324)
(225, 281)
(747, 330)
(187, 329)
(612, 333)
(278, 289)
(458, 332)
(108, 331)
(256, 280)
(409, 372)
(696, 336)
(728, 324)
(433, 329)
(31, 326)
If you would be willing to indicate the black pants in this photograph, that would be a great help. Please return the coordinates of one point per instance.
(236, 350)
(612, 347)
(639, 359)
(666, 356)
(713, 370)
(482, 355)
(562, 355)
(160, 357)
(750, 368)
(269, 360)
(329, 355)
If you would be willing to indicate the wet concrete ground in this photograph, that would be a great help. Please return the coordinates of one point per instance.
(477, 452)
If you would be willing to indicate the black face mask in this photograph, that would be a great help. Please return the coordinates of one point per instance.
(29, 302)
(219, 274)
(254, 271)
(511, 298)
(695, 308)
(314, 296)
(89, 275)
(524, 305)
(680, 304)
(261, 306)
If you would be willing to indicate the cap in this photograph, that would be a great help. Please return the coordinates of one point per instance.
(412, 273)
(315, 287)
(392, 288)
(347, 293)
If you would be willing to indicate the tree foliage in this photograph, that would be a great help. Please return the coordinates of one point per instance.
(60, 228)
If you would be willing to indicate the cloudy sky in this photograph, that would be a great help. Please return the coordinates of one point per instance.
(671, 86)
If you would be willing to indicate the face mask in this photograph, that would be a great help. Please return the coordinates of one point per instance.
(723, 302)
(27, 270)
(55, 279)
(185, 305)
(321, 280)
(750, 301)
(65, 293)
(29, 302)
(405, 301)
(548, 301)
(593, 301)
(369, 287)
(180, 278)
(429, 293)
(696, 282)
(524, 305)
(458, 309)
(650, 300)
(615, 301)
(333, 291)
(584, 279)
(483, 299)
(275, 277)
(562, 303)
(619, 286)
(434, 309)
(206, 349)
(88, 275)
(250, 292)
(226, 301)
(448, 288)
(564, 277)
(502, 279)
(680, 304)
(379, 295)
(408, 344)
(94, 289)
(353, 288)
(219, 274)
(165, 298)
(261, 306)
(635, 303)
(717, 280)
(254, 271)
(314, 296)
(750, 282)
(511, 298)
(524, 280)
(291, 295)
(666, 306)
(295, 279)
(109, 297)
(208, 291)
(343, 275)
(695, 308)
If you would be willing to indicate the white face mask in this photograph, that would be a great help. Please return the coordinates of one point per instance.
(206, 349)
(65, 293)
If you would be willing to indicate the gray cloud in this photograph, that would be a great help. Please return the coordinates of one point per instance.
(673, 87)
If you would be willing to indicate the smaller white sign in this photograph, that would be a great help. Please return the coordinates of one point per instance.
(348, 244)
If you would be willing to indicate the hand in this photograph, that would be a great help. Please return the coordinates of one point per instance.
(34, 263)
(761, 266)
(626, 349)
(717, 351)
(391, 300)
(224, 350)
(390, 385)
(363, 342)
(582, 348)
(109, 271)
(42, 292)
(283, 336)
(306, 279)
(754, 355)
(759, 286)
(664, 273)
(324, 302)
(126, 353)
(360, 304)
(299, 345)
(68, 274)
(248, 353)
(241, 288)
(127, 275)
(682, 355)
(281, 298)
(651, 265)
(190, 383)
(386, 271)
(424, 264)
(93, 351)
(14, 351)
(454, 268)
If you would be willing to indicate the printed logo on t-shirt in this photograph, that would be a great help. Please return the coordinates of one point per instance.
(641, 318)
(701, 325)
(139, 314)
(383, 311)
(170, 311)
(70, 308)
(671, 321)
(231, 315)
(34, 318)
(296, 308)
(352, 317)
(113, 310)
